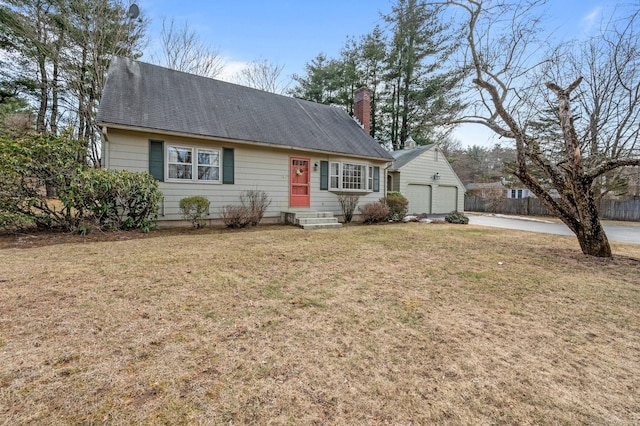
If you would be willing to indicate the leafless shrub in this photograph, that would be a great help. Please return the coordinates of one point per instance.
(374, 212)
(348, 203)
(234, 216)
(256, 203)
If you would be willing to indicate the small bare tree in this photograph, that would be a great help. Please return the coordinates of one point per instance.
(507, 65)
(263, 75)
(182, 50)
(256, 203)
(348, 204)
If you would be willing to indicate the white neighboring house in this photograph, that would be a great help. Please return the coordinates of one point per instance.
(501, 190)
(425, 177)
(518, 193)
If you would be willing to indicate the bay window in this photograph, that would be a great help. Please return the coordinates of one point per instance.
(348, 177)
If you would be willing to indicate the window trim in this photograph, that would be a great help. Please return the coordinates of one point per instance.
(194, 163)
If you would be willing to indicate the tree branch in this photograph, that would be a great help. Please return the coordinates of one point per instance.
(611, 165)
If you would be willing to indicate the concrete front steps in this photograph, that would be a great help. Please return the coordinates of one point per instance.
(312, 220)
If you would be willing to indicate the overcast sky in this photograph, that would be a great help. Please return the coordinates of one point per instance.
(291, 33)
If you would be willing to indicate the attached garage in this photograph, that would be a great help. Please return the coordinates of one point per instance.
(425, 177)
(447, 199)
(419, 197)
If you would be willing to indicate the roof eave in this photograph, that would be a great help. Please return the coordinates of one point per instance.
(236, 141)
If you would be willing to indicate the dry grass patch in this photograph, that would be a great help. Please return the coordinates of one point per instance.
(400, 324)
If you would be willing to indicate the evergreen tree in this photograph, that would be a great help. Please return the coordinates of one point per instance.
(321, 82)
(373, 51)
(409, 93)
(421, 97)
(63, 49)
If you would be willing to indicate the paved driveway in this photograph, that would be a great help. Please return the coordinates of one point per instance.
(624, 234)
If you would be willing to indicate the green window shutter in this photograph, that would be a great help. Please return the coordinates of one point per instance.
(324, 175)
(376, 179)
(227, 165)
(156, 159)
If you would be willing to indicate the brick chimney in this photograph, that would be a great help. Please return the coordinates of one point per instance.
(362, 107)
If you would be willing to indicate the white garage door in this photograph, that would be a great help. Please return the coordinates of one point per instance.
(419, 197)
(447, 199)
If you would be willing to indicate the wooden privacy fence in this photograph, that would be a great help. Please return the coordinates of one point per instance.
(620, 210)
(628, 210)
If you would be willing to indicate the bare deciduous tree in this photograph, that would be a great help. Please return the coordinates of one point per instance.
(182, 50)
(264, 75)
(507, 70)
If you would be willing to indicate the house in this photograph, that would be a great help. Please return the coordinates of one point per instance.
(425, 177)
(502, 189)
(201, 136)
(487, 189)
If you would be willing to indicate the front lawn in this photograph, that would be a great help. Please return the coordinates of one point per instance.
(400, 324)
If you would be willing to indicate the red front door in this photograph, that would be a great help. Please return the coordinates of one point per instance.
(299, 188)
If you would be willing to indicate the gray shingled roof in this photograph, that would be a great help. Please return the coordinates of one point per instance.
(404, 156)
(145, 96)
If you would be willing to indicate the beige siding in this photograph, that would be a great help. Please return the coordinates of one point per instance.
(394, 182)
(328, 200)
(447, 193)
(262, 168)
(125, 151)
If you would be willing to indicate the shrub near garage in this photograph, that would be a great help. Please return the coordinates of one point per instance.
(374, 212)
(457, 218)
(398, 205)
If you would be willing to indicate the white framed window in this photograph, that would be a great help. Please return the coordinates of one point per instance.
(179, 163)
(334, 176)
(370, 179)
(209, 165)
(519, 193)
(193, 164)
(348, 177)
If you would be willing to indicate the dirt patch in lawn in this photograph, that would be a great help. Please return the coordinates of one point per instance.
(403, 324)
(36, 238)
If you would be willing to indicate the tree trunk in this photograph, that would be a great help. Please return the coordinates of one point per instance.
(404, 125)
(42, 110)
(394, 120)
(593, 240)
(585, 222)
(55, 83)
(591, 236)
(54, 99)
